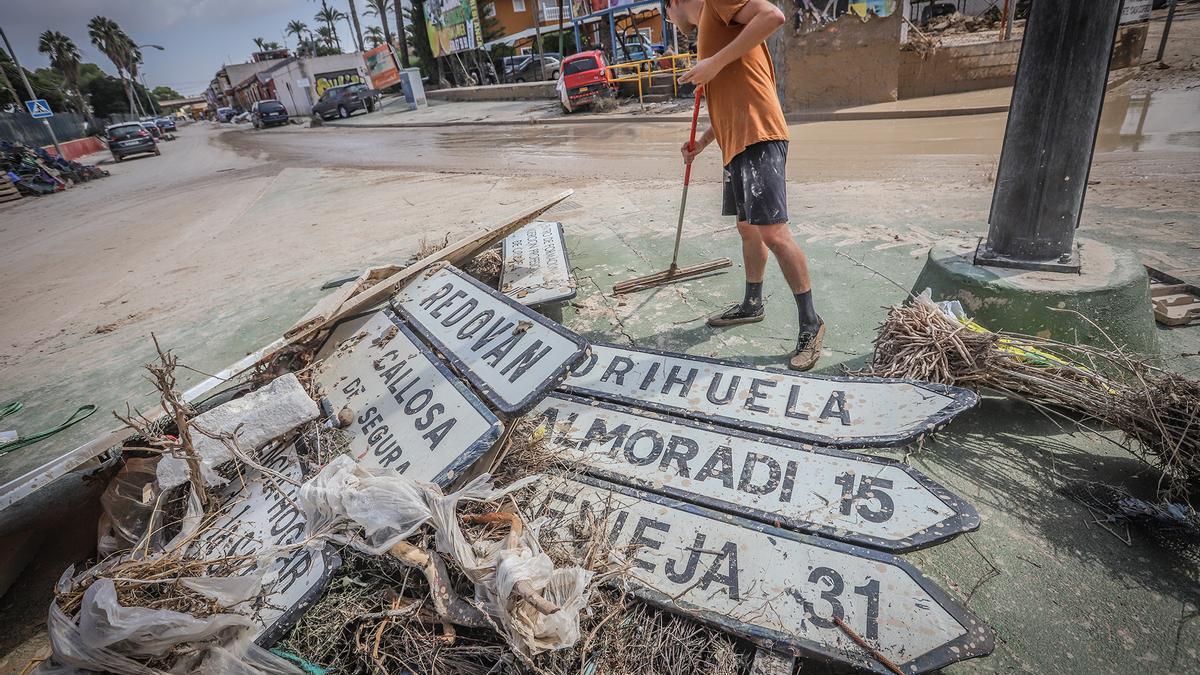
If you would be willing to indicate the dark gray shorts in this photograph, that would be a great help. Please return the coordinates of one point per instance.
(756, 184)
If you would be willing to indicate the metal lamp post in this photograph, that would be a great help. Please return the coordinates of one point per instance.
(1050, 136)
(146, 86)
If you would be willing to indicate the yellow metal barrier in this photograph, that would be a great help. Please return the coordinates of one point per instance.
(646, 70)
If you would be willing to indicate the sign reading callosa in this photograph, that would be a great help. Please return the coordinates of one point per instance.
(410, 412)
(509, 353)
(770, 586)
(832, 411)
(852, 497)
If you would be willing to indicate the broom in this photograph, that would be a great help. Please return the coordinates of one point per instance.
(675, 272)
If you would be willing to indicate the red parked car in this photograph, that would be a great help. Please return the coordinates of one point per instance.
(583, 77)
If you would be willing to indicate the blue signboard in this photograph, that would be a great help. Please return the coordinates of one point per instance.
(39, 109)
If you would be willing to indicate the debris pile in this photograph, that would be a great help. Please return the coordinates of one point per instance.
(964, 23)
(36, 172)
(1159, 411)
(431, 477)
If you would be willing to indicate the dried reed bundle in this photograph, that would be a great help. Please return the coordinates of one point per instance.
(1158, 411)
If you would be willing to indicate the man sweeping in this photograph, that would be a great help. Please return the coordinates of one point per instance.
(738, 77)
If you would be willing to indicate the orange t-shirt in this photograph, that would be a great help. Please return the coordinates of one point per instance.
(742, 104)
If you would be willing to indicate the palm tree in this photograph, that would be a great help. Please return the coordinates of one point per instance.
(330, 17)
(355, 25)
(374, 35)
(65, 58)
(272, 46)
(111, 41)
(261, 44)
(326, 35)
(298, 28)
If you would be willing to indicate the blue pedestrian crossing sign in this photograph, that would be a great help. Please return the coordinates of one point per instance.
(39, 109)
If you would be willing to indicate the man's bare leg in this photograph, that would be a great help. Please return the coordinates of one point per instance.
(754, 252)
(778, 238)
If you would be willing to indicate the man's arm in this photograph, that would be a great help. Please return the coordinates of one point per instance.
(703, 142)
(760, 18)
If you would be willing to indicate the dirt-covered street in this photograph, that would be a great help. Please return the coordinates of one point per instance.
(218, 246)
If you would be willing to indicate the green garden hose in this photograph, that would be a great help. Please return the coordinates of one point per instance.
(84, 412)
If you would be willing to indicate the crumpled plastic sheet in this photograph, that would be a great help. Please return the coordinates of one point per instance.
(372, 509)
(109, 636)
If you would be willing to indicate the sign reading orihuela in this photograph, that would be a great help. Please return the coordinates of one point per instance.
(535, 269)
(410, 412)
(833, 411)
(856, 498)
(509, 353)
(258, 517)
(771, 586)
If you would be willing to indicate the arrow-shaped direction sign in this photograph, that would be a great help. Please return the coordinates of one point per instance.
(511, 354)
(773, 587)
(851, 497)
(258, 518)
(410, 412)
(832, 411)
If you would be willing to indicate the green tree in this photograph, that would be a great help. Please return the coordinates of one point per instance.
(107, 95)
(419, 33)
(46, 83)
(108, 37)
(165, 93)
(380, 9)
(330, 16)
(298, 28)
(64, 58)
(374, 35)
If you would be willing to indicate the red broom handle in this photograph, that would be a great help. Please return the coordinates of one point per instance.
(687, 172)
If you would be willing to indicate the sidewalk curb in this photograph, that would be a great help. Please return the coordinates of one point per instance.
(797, 117)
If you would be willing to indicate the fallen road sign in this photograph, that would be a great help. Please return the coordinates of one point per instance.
(410, 412)
(509, 353)
(832, 411)
(778, 589)
(258, 517)
(535, 269)
(851, 497)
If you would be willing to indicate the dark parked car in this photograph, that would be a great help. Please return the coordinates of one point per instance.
(155, 132)
(528, 70)
(225, 114)
(165, 123)
(342, 101)
(130, 138)
(268, 113)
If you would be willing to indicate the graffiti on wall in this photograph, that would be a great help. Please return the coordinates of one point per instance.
(336, 79)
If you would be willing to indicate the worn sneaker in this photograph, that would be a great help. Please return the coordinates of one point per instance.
(737, 314)
(808, 350)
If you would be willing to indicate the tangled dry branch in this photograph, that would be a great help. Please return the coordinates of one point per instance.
(1158, 411)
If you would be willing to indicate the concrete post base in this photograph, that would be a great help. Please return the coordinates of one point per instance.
(1112, 290)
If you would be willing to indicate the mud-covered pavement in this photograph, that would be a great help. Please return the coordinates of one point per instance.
(220, 244)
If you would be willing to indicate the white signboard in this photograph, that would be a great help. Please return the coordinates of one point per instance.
(1133, 11)
(509, 353)
(832, 411)
(776, 588)
(535, 269)
(410, 412)
(259, 516)
(856, 498)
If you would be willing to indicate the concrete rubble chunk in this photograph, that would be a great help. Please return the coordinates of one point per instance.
(264, 414)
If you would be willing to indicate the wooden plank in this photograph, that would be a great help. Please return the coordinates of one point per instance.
(331, 303)
(455, 254)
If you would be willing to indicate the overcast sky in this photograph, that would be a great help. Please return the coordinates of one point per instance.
(199, 35)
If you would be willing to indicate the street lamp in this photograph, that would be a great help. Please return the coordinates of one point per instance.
(149, 100)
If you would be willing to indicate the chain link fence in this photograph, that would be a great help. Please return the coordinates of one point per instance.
(21, 128)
